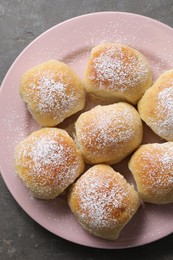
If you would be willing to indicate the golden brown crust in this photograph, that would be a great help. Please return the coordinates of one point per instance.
(103, 202)
(48, 162)
(152, 168)
(156, 106)
(107, 134)
(117, 72)
(52, 92)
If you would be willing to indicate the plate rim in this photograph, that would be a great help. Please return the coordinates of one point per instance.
(76, 18)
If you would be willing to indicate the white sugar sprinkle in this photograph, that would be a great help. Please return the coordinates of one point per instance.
(48, 160)
(99, 199)
(160, 171)
(45, 152)
(165, 105)
(112, 66)
(107, 128)
(51, 97)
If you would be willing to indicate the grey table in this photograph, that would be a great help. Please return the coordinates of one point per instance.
(21, 21)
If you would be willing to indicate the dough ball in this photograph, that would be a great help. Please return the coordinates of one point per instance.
(48, 162)
(52, 92)
(156, 106)
(116, 72)
(107, 134)
(103, 202)
(152, 169)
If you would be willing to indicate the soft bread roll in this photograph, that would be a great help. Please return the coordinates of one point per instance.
(52, 92)
(103, 202)
(48, 162)
(156, 106)
(107, 134)
(152, 168)
(117, 72)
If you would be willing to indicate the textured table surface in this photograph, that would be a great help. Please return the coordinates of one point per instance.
(21, 21)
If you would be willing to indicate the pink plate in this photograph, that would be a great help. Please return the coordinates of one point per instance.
(71, 42)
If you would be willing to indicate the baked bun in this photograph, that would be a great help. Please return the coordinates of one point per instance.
(103, 202)
(156, 106)
(107, 134)
(48, 162)
(152, 168)
(52, 92)
(117, 72)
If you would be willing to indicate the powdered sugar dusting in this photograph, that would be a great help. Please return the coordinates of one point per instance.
(45, 152)
(158, 168)
(51, 97)
(50, 163)
(101, 198)
(165, 105)
(107, 128)
(119, 69)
